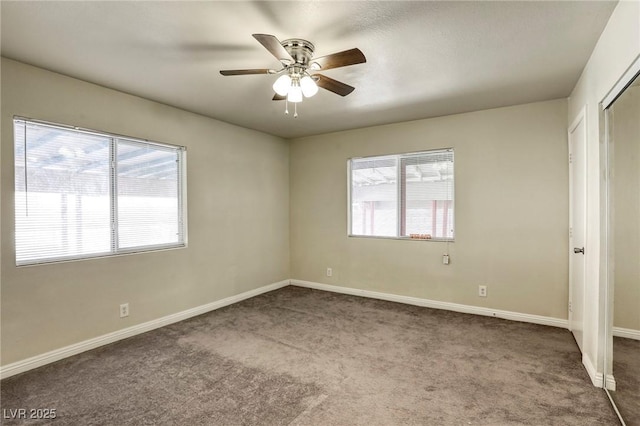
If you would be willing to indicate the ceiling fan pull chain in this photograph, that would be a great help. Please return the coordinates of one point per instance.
(295, 109)
(286, 107)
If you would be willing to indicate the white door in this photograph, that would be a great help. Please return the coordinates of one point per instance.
(577, 224)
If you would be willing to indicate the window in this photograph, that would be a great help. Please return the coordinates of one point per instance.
(82, 194)
(402, 196)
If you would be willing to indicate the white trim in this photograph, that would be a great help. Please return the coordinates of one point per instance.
(582, 115)
(77, 348)
(467, 309)
(610, 382)
(627, 333)
(184, 229)
(606, 225)
(596, 378)
(581, 118)
(622, 83)
(67, 351)
(349, 205)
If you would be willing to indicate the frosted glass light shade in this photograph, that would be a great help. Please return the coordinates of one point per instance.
(308, 86)
(282, 85)
(295, 94)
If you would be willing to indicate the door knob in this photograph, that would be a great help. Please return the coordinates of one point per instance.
(577, 250)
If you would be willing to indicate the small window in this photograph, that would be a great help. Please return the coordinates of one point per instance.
(402, 196)
(81, 194)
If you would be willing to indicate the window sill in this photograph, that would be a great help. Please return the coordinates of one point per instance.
(151, 249)
(435, 240)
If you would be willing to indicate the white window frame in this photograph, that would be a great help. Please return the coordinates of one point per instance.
(113, 199)
(399, 158)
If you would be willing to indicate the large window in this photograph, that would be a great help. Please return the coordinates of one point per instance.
(82, 194)
(402, 196)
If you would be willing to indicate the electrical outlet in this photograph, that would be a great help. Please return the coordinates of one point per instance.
(482, 290)
(445, 259)
(124, 310)
(329, 272)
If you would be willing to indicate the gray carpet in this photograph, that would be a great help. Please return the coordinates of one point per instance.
(626, 370)
(303, 357)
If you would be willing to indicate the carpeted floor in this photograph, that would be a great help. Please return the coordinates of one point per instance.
(303, 357)
(626, 370)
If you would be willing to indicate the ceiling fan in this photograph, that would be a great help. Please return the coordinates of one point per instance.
(299, 73)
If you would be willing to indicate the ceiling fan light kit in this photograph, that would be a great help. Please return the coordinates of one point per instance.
(291, 85)
(297, 81)
(282, 85)
(309, 87)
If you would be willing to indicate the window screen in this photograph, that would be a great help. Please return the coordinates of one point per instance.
(82, 194)
(408, 195)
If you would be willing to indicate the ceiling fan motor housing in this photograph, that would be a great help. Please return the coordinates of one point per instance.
(300, 50)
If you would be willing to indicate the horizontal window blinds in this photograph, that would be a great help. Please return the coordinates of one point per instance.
(148, 196)
(427, 195)
(83, 194)
(407, 195)
(374, 196)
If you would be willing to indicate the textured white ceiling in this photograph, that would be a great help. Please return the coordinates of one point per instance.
(424, 59)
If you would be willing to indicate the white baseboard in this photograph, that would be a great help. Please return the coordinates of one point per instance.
(610, 382)
(627, 333)
(456, 307)
(67, 351)
(596, 378)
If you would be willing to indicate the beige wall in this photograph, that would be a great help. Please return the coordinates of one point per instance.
(626, 209)
(617, 48)
(511, 213)
(238, 216)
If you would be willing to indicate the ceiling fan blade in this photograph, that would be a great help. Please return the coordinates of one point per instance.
(332, 85)
(277, 97)
(340, 59)
(247, 72)
(272, 44)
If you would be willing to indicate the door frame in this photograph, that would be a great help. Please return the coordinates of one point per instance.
(580, 119)
(606, 225)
